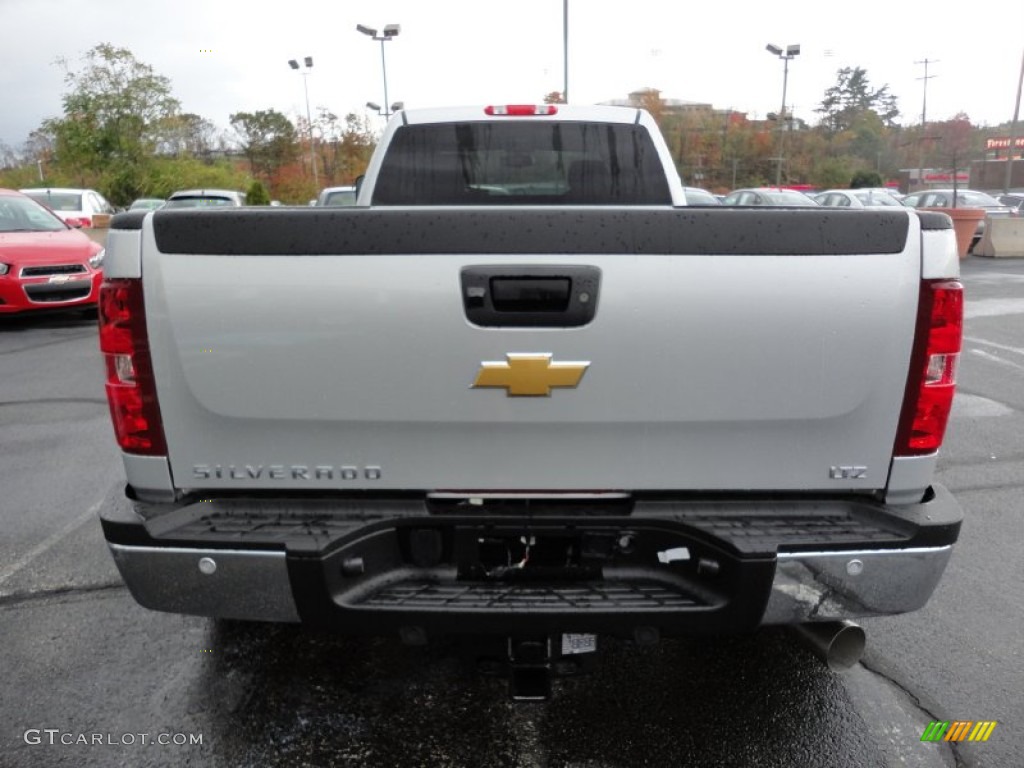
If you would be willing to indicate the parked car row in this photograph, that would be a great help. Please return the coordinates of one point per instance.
(1010, 204)
(856, 198)
(773, 196)
(965, 198)
(46, 264)
(78, 206)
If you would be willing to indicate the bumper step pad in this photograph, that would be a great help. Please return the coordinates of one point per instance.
(604, 596)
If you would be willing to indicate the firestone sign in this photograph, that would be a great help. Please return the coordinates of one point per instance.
(1004, 142)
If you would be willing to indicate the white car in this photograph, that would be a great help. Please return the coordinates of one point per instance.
(856, 198)
(335, 196)
(205, 198)
(75, 206)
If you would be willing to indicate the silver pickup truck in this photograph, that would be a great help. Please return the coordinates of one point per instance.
(522, 391)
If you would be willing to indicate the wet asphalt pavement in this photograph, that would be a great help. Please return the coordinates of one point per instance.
(81, 661)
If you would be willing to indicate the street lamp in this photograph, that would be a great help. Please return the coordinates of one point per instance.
(309, 120)
(398, 105)
(791, 52)
(390, 32)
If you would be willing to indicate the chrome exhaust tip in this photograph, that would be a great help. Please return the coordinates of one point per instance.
(840, 644)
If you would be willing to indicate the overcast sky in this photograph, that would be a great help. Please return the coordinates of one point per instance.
(482, 51)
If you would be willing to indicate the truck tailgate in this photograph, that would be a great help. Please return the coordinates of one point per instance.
(729, 350)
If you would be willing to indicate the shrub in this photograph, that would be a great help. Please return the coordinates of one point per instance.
(257, 194)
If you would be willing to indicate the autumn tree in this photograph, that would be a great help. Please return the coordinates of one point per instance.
(187, 134)
(745, 149)
(554, 97)
(269, 140)
(344, 145)
(957, 142)
(956, 138)
(650, 99)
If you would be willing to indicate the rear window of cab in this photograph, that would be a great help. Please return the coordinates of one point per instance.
(517, 163)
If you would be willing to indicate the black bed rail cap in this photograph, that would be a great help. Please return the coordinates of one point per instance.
(934, 220)
(128, 220)
(530, 230)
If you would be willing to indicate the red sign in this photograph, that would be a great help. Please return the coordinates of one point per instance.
(933, 177)
(1004, 142)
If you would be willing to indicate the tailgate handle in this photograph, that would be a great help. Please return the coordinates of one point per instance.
(530, 294)
(542, 295)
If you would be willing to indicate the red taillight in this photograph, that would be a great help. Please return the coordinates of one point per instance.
(521, 110)
(131, 391)
(932, 380)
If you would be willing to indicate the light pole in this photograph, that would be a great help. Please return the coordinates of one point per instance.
(309, 120)
(791, 52)
(390, 32)
(565, 51)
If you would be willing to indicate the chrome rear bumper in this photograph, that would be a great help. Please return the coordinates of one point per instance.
(374, 566)
(828, 586)
(808, 586)
(228, 584)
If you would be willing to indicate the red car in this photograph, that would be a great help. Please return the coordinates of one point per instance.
(44, 263)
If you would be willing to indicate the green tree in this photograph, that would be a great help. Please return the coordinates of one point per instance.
(850, 97)
(343, 146)
(830, 173)
(269, 140)
(109, 128)
(167, 174)
(257, 194)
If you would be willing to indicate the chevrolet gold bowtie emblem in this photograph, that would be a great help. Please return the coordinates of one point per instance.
(529, 375)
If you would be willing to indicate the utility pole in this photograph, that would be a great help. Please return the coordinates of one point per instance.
(1007, 179)
(924, 120)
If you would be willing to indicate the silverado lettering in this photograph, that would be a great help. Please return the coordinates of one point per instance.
(280, 471)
